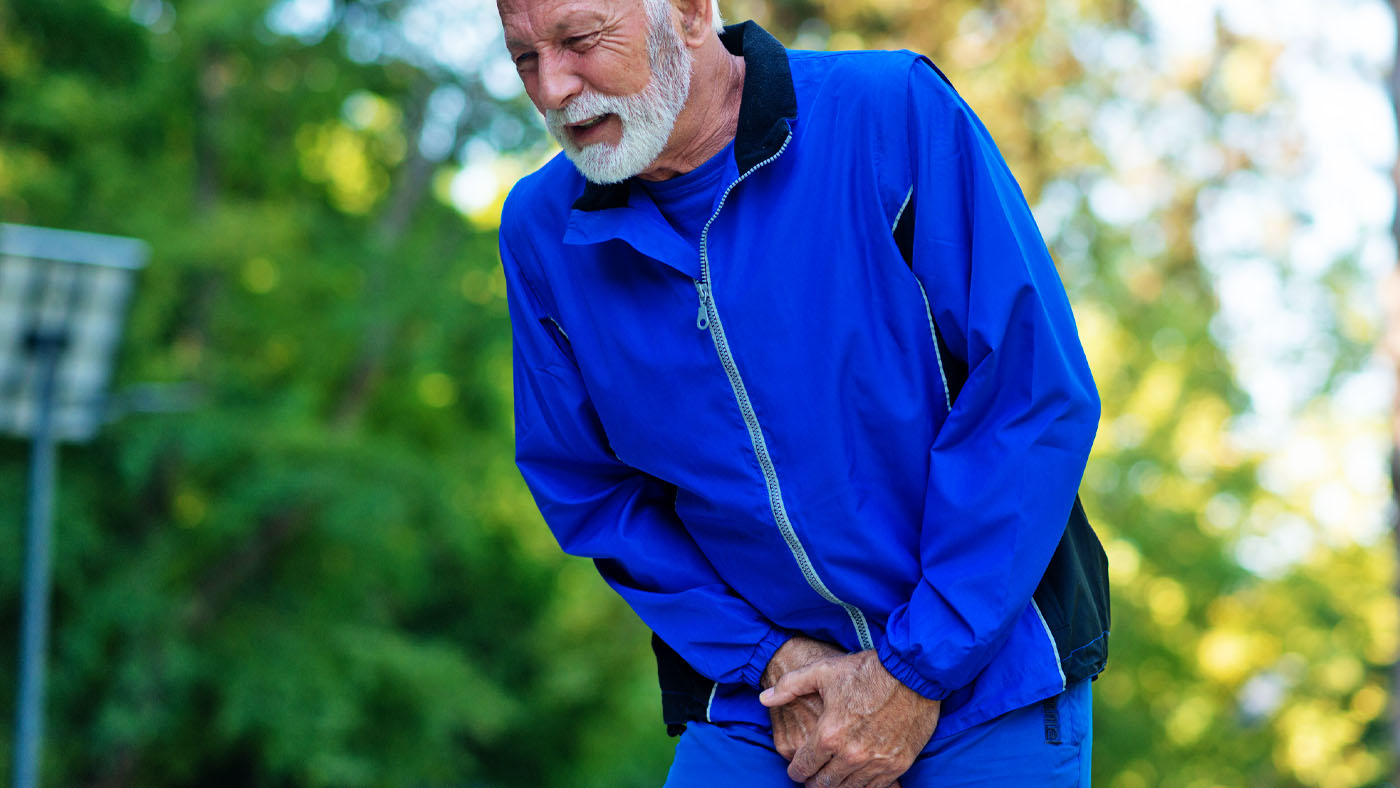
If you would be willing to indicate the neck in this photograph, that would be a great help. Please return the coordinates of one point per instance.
(711, 115)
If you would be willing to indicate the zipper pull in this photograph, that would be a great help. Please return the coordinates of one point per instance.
(702, 321)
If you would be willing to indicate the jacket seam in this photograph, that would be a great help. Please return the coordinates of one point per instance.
(1101, 636)
(1054, 646)
(909, 196)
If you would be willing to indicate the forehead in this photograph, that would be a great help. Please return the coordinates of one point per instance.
(528, 20)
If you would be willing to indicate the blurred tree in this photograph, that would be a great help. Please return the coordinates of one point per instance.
(330, 574)
(1218, 676)
(317, 578)
(1391, 299)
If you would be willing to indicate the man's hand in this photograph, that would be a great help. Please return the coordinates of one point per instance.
(871, 727)
(794, 722)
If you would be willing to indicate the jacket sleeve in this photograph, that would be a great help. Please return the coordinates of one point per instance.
(623, 519)
(1005, 466)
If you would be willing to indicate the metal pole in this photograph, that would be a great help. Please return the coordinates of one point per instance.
(34, 625)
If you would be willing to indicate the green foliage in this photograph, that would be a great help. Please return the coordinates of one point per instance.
(327, 573)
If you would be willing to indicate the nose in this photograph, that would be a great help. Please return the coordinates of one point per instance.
(558, 83)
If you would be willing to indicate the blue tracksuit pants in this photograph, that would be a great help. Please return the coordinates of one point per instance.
(1044, 745)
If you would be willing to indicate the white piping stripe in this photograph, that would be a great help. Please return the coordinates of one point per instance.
(711, 702)
(928, 310)
(900, 215)
(937, 354)
(561, 328)
(948, 400)
(1054, 647)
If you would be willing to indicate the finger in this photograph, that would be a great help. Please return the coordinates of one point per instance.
(793, 723)
(794, 684)
(806, 763)
(809, 759)
(784, 740)
(837, 772)
(872, 774)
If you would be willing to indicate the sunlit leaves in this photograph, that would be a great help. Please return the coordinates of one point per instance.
(1251, 633)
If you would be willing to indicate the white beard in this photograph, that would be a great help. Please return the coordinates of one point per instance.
(648, 116)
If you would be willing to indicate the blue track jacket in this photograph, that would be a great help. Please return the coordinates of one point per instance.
(760, 440)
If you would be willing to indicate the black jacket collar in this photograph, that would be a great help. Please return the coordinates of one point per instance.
(769, 101)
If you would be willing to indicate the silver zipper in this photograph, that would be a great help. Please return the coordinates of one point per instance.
(709, 320)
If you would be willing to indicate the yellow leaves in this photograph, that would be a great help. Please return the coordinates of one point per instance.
(1166, 601)
(1123, 561)
(1312, 737)
(1174, 493)
(845, 40)
(1103, 341)
(338, 157)
(1114, 687)
(1358, 767)
(1382, 617)
(1229, 611)
(1228, 656)
(1157, 394)
(1341, 674)
(260, 275)
(1144, 282)
(367, 112)
(1246, 74)
(437, 390)
(1190, 719)
(1367, 704)
(351, 158)
(1138, 774)
(1238, 642)
(1199, 438)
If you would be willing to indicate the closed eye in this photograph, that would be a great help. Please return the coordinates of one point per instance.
(579, 42)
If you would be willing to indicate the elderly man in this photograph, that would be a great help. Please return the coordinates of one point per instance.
(793, 366)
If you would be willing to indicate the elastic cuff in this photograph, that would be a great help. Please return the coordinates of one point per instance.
(762, 655)
(907, 675)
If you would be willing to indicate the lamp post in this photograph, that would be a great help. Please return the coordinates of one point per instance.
(63, 297)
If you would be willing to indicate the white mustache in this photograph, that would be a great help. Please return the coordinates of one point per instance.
(587, 106)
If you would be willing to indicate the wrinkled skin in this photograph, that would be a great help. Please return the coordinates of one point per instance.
(562, 48)
(794, 722)
(868, 729)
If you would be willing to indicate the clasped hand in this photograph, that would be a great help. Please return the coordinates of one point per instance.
(842, 720)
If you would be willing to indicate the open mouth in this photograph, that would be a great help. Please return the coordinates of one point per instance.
(588, 124)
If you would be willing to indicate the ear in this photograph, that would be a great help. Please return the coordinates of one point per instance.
(695, 22)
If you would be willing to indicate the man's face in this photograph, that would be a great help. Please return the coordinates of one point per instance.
(610, 77)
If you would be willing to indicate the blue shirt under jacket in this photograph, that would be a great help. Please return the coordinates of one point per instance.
(759, 439)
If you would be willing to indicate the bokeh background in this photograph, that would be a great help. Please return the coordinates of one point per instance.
(323, 569)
